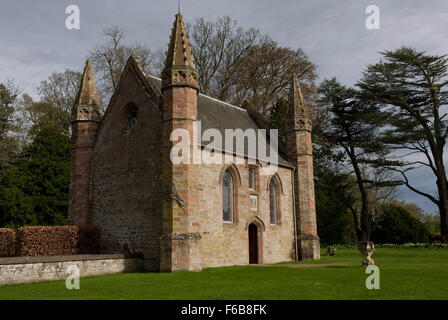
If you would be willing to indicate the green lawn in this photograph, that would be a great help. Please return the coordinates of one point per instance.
(416, 273)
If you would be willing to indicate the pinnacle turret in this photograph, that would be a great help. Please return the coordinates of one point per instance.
(299, 150)
(179, 67)
(297, 106)
(87, 103)
(298, 116)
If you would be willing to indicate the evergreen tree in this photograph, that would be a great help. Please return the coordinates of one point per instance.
(353, 126)
(398, 226)
(413, 87)
(333, 197)
(35, 190)
(8, 143)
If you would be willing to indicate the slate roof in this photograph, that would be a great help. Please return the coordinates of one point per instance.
(220, 115)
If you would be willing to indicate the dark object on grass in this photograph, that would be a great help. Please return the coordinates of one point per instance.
(331, 250)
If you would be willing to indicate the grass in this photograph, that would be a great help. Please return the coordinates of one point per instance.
(417, 273)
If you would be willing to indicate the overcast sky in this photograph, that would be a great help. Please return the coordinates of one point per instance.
(34, 41)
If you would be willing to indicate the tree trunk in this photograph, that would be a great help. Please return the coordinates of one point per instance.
(356, 224)
(364, 235)
(442, 189)
(443, 209)
(365, 219)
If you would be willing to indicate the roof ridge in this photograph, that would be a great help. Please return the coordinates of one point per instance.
(223, 102)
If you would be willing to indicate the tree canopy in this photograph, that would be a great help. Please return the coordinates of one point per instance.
(35, 190)
(398, 226)
(412, 86)
(353, 125)
(237, 64)
(8, 126)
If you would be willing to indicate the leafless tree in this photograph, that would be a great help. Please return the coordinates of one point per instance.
(218, 47)
(60, 89)
(236, 64)
(109, 59)
(57, 95)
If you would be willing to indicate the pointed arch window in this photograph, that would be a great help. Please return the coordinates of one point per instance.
(227, 196)
(273, 205)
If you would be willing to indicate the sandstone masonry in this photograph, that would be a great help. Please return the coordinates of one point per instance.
(123, 181)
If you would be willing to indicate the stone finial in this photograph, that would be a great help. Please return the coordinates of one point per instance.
(87, 105)
(179, 67)
(298, 116)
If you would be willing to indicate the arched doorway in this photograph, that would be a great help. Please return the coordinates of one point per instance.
(253, 243)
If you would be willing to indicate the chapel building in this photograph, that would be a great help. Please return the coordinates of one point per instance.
(186, 217)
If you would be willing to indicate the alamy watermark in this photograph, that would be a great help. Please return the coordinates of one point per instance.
(373, 18)
(73, 21)
(373, 280)
(72, 281)
(233, 148)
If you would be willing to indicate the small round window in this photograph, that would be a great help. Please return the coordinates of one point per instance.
(132, 114)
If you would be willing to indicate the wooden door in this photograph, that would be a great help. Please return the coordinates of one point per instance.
(253, 244)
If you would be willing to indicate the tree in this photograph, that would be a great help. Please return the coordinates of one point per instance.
(333, 196)
(60, 89)
(42, 114)
(217, 48)
(412, 87)
(237, 64)
(109, 59)
(8, 142)
(431, 222)
(354, 126)
(334, 221)
(234, 64)
(35, 190)
(277, 117)
(398, 226)
(57, 97)
(413, 209)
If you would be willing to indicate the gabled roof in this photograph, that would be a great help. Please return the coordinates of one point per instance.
(216, 114)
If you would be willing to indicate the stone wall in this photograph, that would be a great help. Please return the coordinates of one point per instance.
(33, 269)
(226, 243)
(126, 180)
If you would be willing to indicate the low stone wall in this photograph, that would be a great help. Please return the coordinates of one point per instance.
(45, 268)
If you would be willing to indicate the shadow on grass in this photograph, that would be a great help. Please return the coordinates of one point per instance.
(343, 266)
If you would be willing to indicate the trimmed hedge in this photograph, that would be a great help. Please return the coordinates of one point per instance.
(7, 242)
(59, 240)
